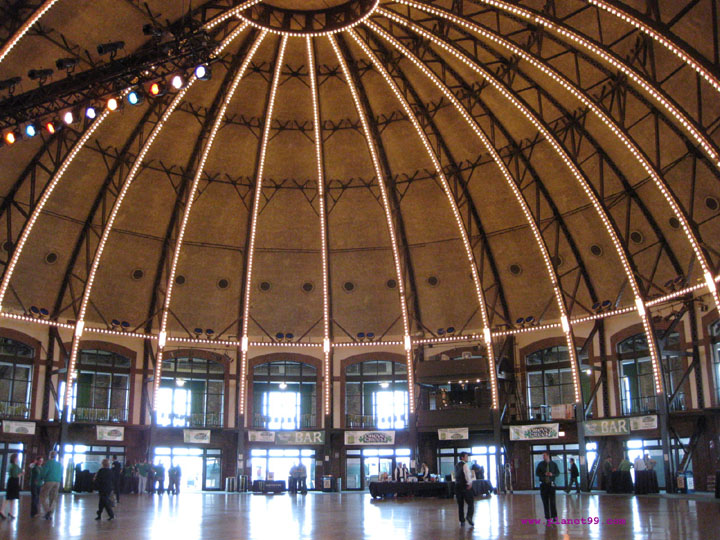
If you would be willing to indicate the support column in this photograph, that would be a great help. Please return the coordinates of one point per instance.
(582, 454)
(497, 437)
(668, 466)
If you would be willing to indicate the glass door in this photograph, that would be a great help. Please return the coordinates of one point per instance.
(212, 479)
(353, 471)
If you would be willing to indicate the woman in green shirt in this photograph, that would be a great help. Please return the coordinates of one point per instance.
(13, 485)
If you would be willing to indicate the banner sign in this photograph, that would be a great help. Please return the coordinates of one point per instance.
(534, 432)
(196, 436)
(453, 434)
(21, 428)
(610, 426)
(640, 423)
(261, 436)
(369, 437)
(110, 433)
(300, 437)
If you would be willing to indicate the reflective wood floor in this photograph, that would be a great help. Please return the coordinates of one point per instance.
(355, 515)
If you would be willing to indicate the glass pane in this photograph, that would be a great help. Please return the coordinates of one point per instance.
(212, 473)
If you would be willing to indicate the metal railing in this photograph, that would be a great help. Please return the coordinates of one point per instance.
(92, 414)
(210, 419)
(304, 421)
(640, 405)
(14, 409)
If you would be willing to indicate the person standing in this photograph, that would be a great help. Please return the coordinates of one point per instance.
(116, 476)
(547, 471)
(607, 474)
(626, 483)
(160, 478)
(12, 489)
(294, 477)
(640, 464)
(52, 473)
(178, 478)
(574, 477)
(171, 480)
(105, 483)
(463, 490)
(302, 478)
(424, 472)
(150, 478)
(142, 469)
(508, 477)
(35, 485)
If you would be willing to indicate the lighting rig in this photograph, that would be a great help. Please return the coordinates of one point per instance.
(161, 65)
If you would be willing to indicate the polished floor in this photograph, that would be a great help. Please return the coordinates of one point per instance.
(355, 515)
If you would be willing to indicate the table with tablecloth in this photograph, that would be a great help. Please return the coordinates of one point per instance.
(646, 482)
(621, 482)
(419, 489)
(266, 486)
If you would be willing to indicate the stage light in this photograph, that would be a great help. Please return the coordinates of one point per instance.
(209, 332)
(40, 74)
(203, 72)
(112, 104)
(134, 98)
(110, 48)
(283, 385)
(68, 117)
(180, 382)
(66, 63)
(9, 137)
(35, 310)
(289, 336)
(384, 384)
(177, 82)
(44, 312)
(361, 336)
(441, 332)
(9, 84)
(450, 330)
(150, 29)
(30, 131)
(156, 89)
(280, 336)
(125, 325)
(50, 127)
(369, 335)
(90, 113)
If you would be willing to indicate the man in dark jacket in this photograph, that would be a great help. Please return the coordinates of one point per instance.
(574, 477)
(547, 471)
(117, 477)
(104, 483)
(463, 490)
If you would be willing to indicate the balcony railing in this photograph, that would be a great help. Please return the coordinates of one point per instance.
(210, 419)
(305, 421)
(12, 409)
(640, 405)
(374, 422)
(92, 414)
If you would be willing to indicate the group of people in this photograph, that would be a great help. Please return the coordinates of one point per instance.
(45, 479)
(642, 463)
(144, 477)
(298, 478)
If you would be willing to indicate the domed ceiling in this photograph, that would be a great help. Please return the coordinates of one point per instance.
(450, 164)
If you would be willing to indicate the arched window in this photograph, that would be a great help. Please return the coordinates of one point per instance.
(549, 380)
(16, 366)
(284, 395)
(715, 336)
(100, 392)
(637, 384)
(376, 395)
(191, 392)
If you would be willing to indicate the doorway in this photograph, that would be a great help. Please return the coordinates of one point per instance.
(275, 464)
(367, 465)
(201, 468)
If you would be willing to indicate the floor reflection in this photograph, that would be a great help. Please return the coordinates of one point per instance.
(356, 515)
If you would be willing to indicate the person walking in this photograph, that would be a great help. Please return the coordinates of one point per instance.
(12, 489)
(574, 477)
(117, 470)
(105, 484)
(463, 490)
(142, 470)
(547, 471)
(52, 474)
(35, 485)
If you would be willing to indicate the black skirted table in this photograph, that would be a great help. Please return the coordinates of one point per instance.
(646, 482)
(482, 488)
(267, 486)
(717, 485)
(621, 482)
(420, 489)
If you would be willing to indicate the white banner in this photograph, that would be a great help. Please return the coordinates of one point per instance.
(534, 432)
(453, 434)
(261, 436)
(110, 433)
(196, 436)
(300, 437)
(21, 428)
(640, 423)
(369, 437)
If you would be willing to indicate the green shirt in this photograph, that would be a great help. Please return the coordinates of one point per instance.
(143, 469)
(36, 476)
(14, 470)
(625, 465)
(52, 472)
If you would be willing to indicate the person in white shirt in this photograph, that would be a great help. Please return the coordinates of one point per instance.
(463, 490)
(639, 464)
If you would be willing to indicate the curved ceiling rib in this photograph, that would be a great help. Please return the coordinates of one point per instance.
(515, 190)
(453, 206)
(26, 26)
(539, 124)
(629, 144)
(260, 171)
(162, 336)
(381, 178)
(322, 215)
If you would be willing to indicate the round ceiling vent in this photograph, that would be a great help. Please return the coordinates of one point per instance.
(674, 222)
(596, 250)
(7, 246)
(557, 261)
(637, 237)
(348, 286)
(264, 286)
(712, 203)
(433, 281)
(308, 286)
(223, 283)
(137, 274)
(515, 269)
(391, 283)
(51, 257)
(179, 279)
